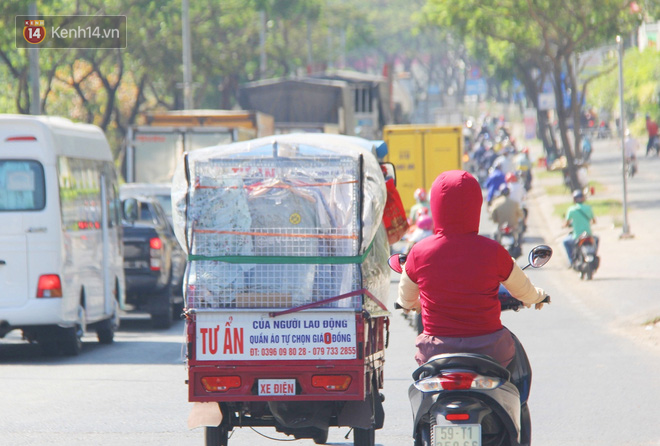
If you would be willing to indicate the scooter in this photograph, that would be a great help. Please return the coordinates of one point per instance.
(470, 399)
(509, 240)
(585, 256)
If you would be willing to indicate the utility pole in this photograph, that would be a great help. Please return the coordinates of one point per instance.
(626, 230)
(262, 44)
(187, 57)
(33, 55)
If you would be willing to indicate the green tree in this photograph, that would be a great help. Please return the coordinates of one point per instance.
(544, 35)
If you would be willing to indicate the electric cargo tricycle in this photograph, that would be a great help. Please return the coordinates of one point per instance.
(286, 285)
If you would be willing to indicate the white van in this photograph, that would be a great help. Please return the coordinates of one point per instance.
(61, 259)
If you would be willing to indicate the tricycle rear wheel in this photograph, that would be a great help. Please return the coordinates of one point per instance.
(364, 437)
(321, 437)
(216, 436)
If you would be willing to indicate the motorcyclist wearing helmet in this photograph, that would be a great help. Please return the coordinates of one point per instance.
(506, 211)
(453, 277)
(516, 190)
(424, 229)
(421, 201)
(524, 167)
(495, 180)
(580, 216)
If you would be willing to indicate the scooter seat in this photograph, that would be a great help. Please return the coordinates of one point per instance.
(482, 364)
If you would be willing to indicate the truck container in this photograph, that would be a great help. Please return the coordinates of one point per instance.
(420, 153)
(152, 150)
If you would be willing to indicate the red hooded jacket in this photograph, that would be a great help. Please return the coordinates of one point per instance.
(458, 272)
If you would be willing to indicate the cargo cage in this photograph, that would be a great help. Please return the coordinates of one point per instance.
(311, 259)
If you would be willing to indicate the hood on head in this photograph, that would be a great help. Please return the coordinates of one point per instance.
(456, 201)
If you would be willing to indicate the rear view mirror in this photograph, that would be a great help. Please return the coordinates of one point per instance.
(396, 262)
(539, 256)
(130, 209)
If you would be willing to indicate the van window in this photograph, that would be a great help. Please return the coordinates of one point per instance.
(22, 185)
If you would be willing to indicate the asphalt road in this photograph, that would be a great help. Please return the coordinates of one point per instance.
(595, 365)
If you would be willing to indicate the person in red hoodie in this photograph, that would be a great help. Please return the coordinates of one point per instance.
(652, 129)
(453, 277)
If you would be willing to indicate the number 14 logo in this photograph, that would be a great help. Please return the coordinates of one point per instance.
(34, 31)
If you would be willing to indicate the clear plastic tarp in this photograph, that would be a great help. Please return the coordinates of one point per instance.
(282, 221)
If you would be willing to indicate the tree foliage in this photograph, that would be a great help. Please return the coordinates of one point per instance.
(641, 93)
(542, 37)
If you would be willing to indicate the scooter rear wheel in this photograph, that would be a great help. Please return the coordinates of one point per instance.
(423, 435)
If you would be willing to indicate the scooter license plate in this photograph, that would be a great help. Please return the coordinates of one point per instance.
(458, 435)
(277, 387)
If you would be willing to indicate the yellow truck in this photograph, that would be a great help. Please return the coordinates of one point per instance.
(420, 153)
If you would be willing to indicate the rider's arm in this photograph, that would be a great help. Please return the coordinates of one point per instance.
(520, 287)
(408, 293)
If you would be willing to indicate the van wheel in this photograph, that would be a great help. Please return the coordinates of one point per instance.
(56, 341)
(71, 340)
(161, 308)
(105, 331)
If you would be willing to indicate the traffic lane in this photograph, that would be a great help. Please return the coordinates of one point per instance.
(135, 342)
(130, 392)
(589, 382)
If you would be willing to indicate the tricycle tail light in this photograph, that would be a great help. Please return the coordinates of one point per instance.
(332, 382)
(221, 383)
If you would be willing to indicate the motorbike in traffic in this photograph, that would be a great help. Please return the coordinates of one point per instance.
(585, 256)
(507, 237)
(468, 398)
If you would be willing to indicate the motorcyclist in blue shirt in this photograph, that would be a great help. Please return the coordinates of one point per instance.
(495, 180)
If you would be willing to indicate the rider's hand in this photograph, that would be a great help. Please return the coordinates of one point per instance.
(539, 305)
(415, 309)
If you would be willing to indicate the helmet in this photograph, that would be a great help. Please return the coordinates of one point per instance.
(420, 194)
(578, 195)
(511, 177)
(425, 223)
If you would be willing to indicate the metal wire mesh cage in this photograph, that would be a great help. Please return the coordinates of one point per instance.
(274, 232)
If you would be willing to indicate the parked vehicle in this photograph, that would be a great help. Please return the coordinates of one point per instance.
(60, 244)
(470, 399)
(149, 249)
(163, 193)
(585, 256)
(286, 284)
